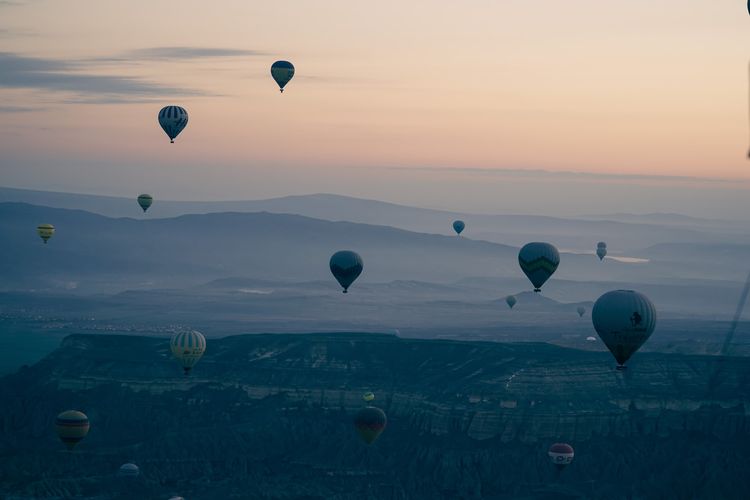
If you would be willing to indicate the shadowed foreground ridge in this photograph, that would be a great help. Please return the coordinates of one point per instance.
(269, 416)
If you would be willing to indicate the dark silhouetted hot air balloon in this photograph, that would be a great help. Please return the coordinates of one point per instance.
(72, 426)
(581, 311)
(370, 422)
(145, 201)
(511, 300)
(538, 261)
(561, 455)
(346, 267)
(624, 320)
(45, 231)
(173, 119)
(128, 470)
(188, 347)
(458, 226)
(601, 250)
(282, 72)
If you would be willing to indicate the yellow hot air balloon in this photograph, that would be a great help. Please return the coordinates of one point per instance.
(72, 426)
(188, 347)
(45, 231)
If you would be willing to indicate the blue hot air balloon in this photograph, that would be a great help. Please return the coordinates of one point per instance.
(538, 261)
(458, 226)
(282, 72)
(173, 120)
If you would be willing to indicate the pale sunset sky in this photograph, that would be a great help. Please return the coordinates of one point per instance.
(545, 106)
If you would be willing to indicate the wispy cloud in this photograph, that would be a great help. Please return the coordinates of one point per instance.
(18, 109)
(179, 54)
(23, 72)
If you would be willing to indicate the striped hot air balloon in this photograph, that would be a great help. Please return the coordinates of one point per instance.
(128, 470)
(173, 119)
(45, 231)
(624, 320)
(72, 426)
(188, 347)
(145, 201)
(538, 261)
(370, 423)
(561, 455)
(282, 72)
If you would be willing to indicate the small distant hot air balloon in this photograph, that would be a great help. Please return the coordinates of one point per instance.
(72, 426)
(511, 300)
(624, 320)
(145, 201)
(368, 396)
(458, 226)
(128, 470)
(282, 72)
(601, 250)
(370, 423)
(581, 311)
(45, 231)
(561, 455)
(590, 339)
(188, 347)
(346, 266)
(173, 119)
(538, 261)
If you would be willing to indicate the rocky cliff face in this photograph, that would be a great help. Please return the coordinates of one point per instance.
(269, 416)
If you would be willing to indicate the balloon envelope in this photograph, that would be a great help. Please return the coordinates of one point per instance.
(145, 201)
(370, 423)
(173, 119)
(458, 226)
(188, 347)
(346, 266)
(45, 231)
(561, 454)
(282, 72)
(538, 261)
(72, 426)
(581, 310)
(128, 470)
(511, 301)
(624, 320)
(368, 396)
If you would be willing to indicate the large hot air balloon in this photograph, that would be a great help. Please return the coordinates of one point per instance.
(145, 201)
(538, 261)
(128, 470)
(458, 226)
(346, 266)
(282, 72)
(561, 455)
(581, 311)
(601, 250)
(45, 231)
(368, 396)
(188, 347)
(173, 120)
(72, 426)
(370, 422)
(624, 320)
(511, 300)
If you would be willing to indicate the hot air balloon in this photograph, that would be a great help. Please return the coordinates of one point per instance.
(601, 250)
(128, 470)
(282, 72)
(145, 201)
(72, 426)
(173, 120)
(458, 226)
(346, 266)
(188, 347)
(561, 455)
(368, 396)
(538, 261)
(511, 300)
(370, 422)
(624, 320)
(45, 231)
(581, 311)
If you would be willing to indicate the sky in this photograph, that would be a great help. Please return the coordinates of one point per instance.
(544, 107)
